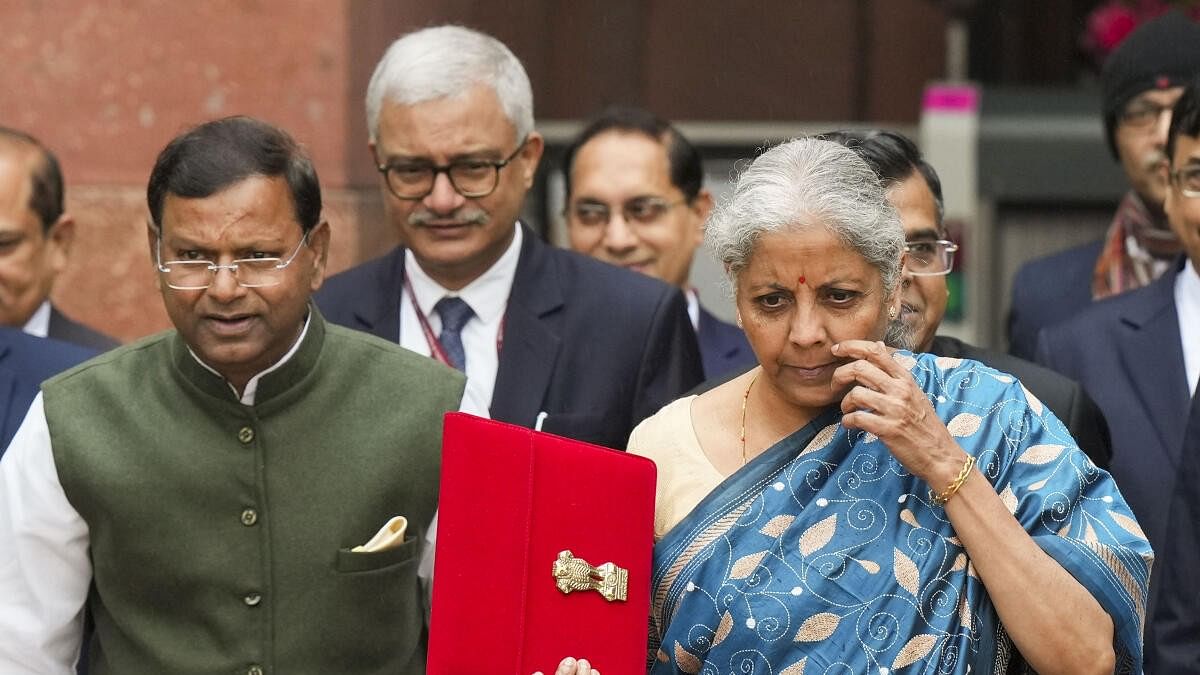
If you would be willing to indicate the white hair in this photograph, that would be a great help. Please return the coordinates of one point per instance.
(445, 61)
(807, 183)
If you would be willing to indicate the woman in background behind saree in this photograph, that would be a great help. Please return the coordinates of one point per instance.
(843, 508)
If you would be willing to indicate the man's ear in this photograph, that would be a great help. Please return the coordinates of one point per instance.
(701, 207)
(531, 155)
(318, 241)
(152, 237)
(59, 238)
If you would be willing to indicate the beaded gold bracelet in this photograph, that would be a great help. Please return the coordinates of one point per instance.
(952, 488)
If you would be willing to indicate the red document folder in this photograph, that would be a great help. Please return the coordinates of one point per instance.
(511, 500)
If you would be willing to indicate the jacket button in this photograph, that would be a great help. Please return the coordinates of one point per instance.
(254, 670)
(249, 517)
(246, 435)
(252, 599)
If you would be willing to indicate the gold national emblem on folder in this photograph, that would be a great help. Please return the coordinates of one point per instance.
(575, 574)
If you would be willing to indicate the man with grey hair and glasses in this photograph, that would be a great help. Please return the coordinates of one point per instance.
(548, 338)
(246, 493)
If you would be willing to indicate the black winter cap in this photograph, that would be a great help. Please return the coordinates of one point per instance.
(1160, 54)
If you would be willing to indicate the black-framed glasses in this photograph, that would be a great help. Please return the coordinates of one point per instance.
(637, 211)
(196, 275)
(931, 257)
(1143, 113)
(471, 178)
(1186, 180)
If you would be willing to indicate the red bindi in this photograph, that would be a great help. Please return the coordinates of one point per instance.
(801, 280)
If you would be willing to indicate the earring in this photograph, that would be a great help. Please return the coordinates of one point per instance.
(892, 312)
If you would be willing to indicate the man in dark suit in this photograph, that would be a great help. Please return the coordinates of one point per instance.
(35, 238)
(635, 198)
(1141, 81)
(25, 361)
(548, 338)
(1138, 354)
(1175, 637)
(916, 191)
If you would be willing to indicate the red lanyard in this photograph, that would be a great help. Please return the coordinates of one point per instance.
(436, 350)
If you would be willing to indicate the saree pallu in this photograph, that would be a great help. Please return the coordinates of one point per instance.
(824, 555)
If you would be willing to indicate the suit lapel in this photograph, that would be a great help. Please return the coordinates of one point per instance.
(9, 417)
(708, 337)
(379, 313)
(531, 335)
(1153, 358)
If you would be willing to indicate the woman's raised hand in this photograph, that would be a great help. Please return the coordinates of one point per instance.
(885, 400)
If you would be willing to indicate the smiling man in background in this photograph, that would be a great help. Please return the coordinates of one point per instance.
(35, 239)
(635, 199)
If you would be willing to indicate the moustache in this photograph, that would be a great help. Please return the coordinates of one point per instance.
(465, 216)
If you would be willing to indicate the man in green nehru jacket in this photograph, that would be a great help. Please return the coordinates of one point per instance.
(201, 493)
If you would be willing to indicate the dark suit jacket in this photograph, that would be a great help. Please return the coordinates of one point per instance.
(66, 330)
(596, 347)
(1048, 290)
(1065, 398)
(25, 361)
(723, 347)
(1126, 352)
(1173, 644)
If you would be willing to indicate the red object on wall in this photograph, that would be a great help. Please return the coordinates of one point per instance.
(511, 500)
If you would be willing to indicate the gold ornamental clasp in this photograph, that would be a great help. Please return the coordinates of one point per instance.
(575, 574)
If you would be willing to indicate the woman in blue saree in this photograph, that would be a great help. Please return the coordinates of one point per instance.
(843, 508)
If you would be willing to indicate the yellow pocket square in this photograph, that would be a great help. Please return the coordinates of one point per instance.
(388, 537)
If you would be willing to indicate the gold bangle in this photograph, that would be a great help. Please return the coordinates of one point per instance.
(952, 488)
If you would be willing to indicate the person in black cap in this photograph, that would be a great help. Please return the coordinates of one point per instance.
(1141, 81)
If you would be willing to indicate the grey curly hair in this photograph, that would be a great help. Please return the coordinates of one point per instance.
(806, 183)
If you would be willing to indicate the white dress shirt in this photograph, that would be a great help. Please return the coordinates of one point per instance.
(39, 322)
(45, 570)
(488, 298)
(1187, 305)
(693, 307)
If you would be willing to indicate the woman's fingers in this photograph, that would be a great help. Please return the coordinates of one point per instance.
(860, 372)
(874, 352)
(573, 666)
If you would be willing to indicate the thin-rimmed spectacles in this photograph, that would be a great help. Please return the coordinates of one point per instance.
(931, 257)
(471, 178)
(1187, 180)
(637, 211)
(196, 275)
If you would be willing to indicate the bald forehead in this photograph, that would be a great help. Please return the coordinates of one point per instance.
(20, 152)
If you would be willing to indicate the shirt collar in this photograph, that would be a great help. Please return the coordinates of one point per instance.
(39, 323)
(693, 307)
(487, 294)
(251, 390)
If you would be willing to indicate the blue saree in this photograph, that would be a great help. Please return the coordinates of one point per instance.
(824, 555)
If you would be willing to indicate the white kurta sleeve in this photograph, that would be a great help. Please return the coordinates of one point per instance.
(44, 566)
(473, 405)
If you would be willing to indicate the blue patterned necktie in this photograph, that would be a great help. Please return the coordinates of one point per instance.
(455, 314)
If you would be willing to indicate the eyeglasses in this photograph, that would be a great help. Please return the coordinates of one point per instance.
(1187, 180)
(471, 178)
(195, 275)
(1143, 114)
(638, 211)
(930, 258)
